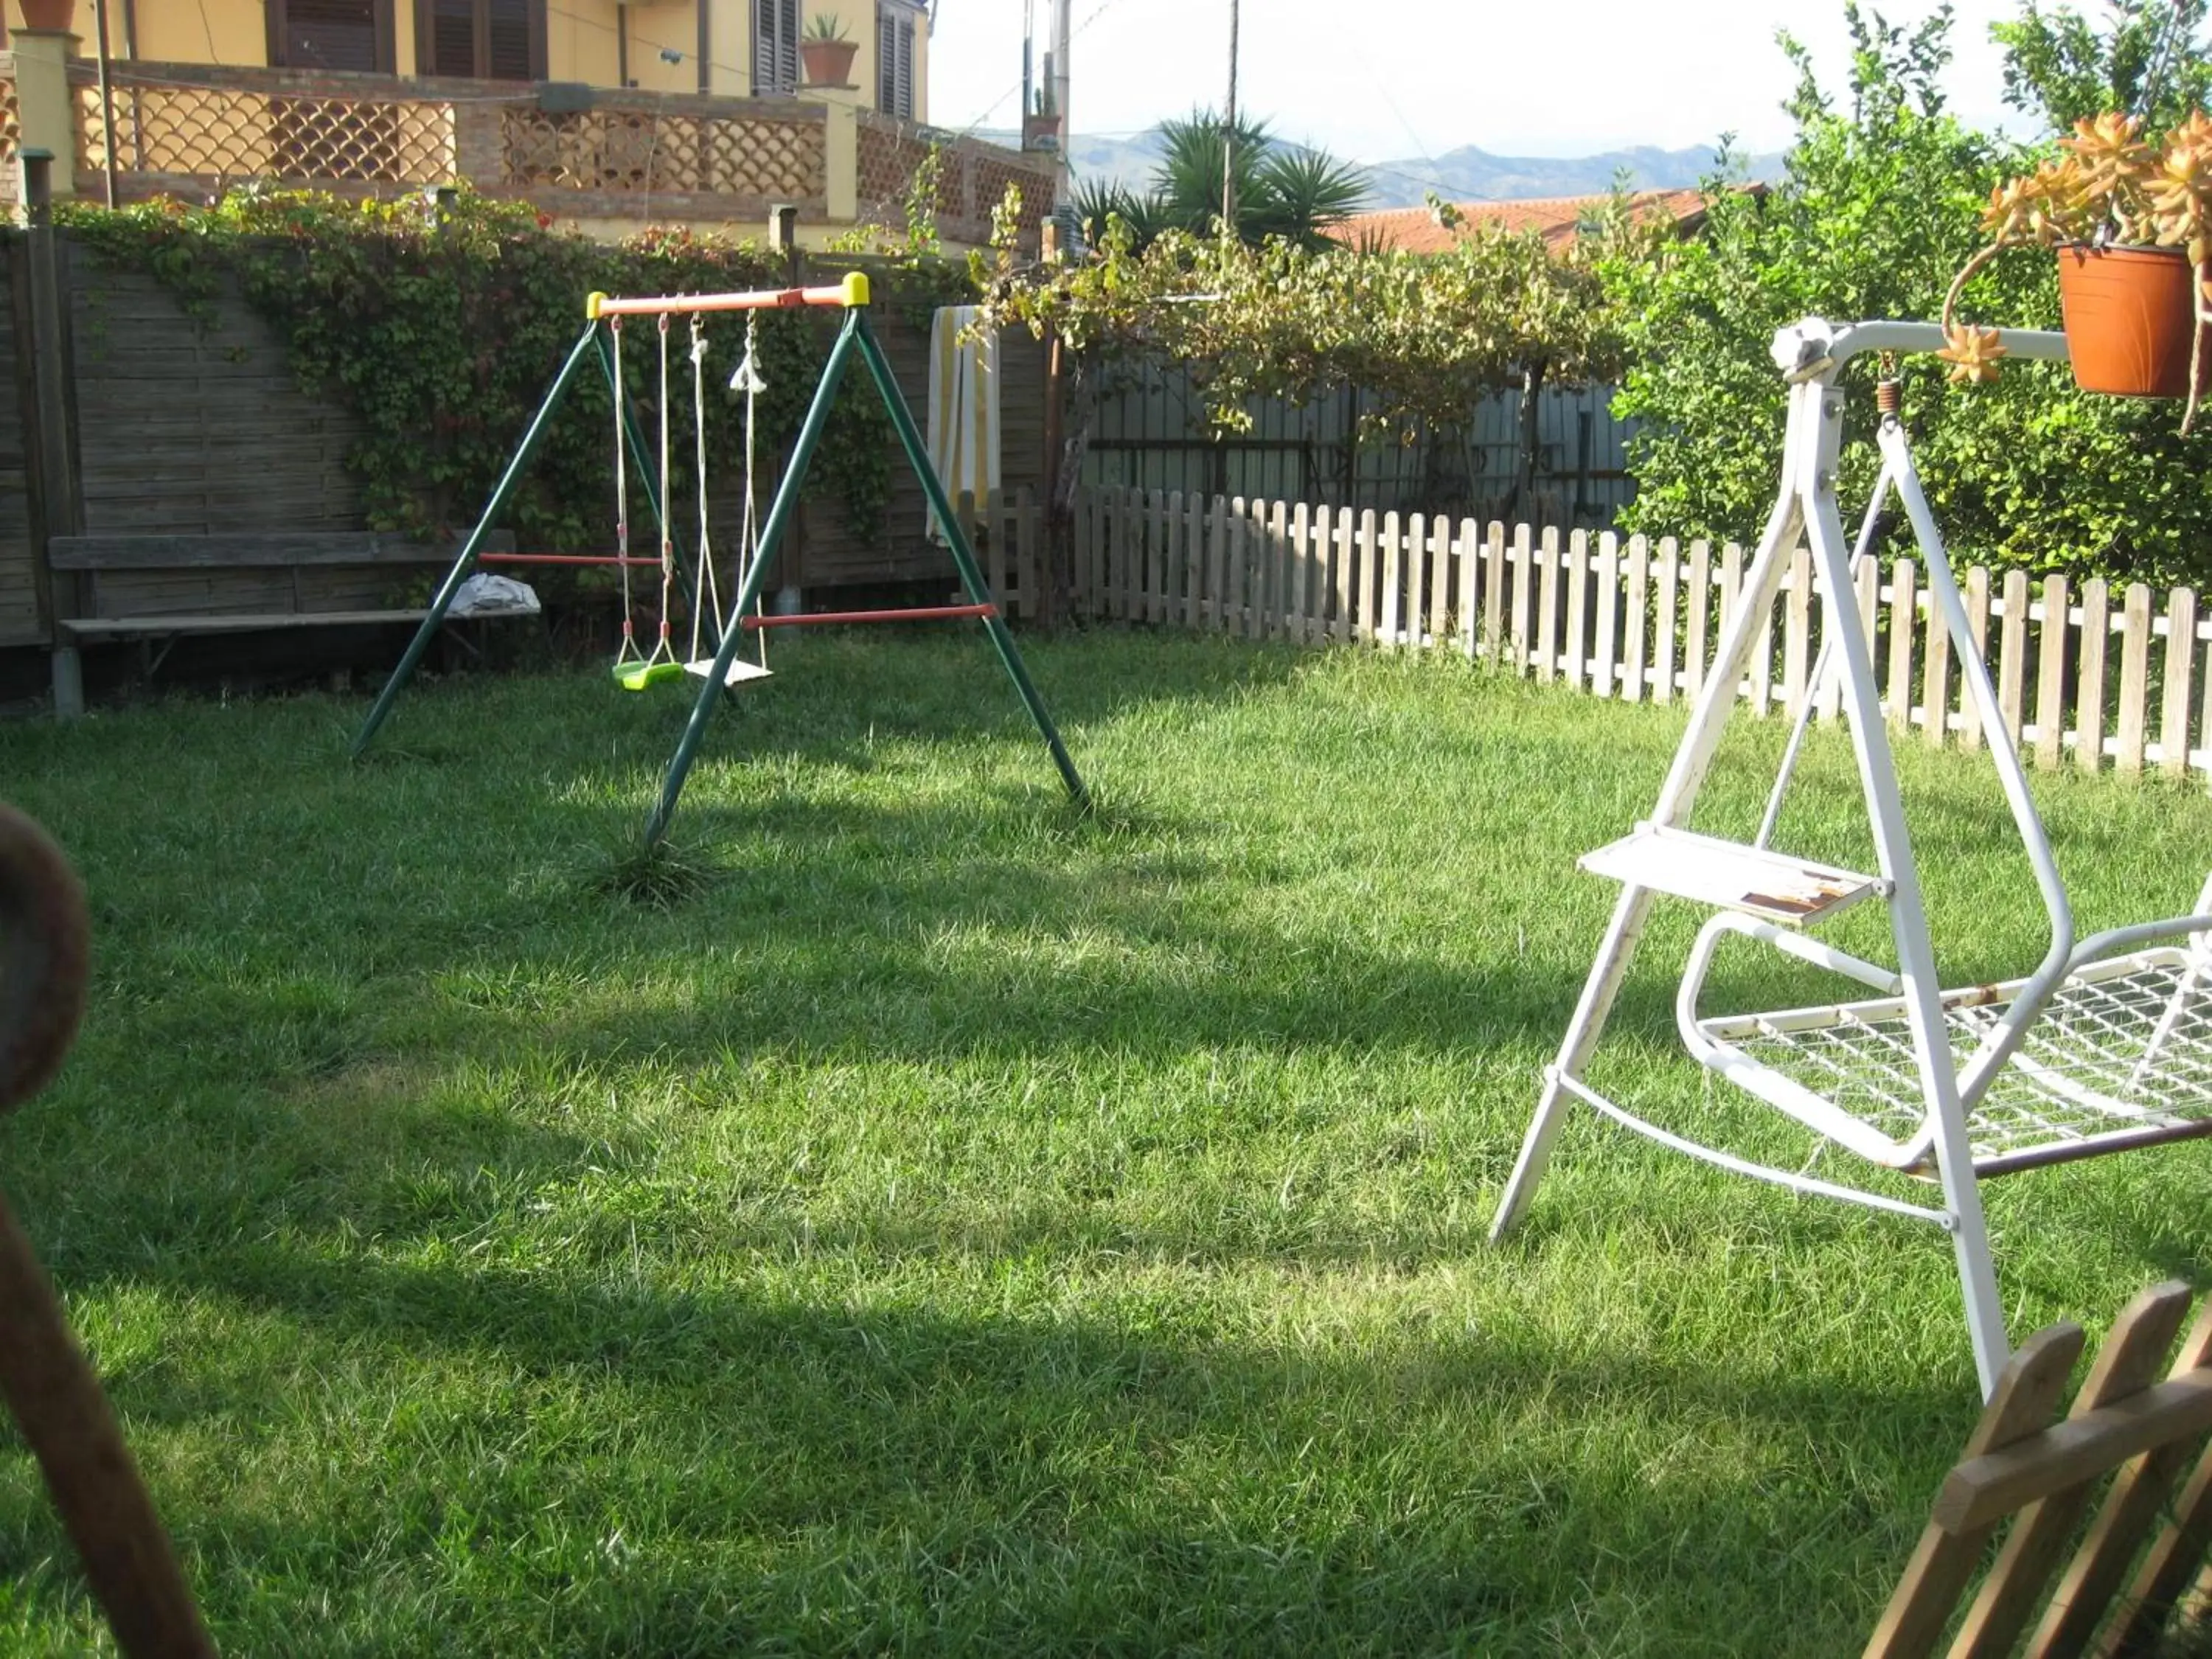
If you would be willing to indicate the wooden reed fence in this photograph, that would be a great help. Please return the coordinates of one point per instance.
(2105, 1513)
(2085, 672)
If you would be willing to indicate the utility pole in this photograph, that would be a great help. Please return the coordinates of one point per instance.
(1229, 138)
(1056, 76)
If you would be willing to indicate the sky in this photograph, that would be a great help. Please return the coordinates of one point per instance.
(1562, 78)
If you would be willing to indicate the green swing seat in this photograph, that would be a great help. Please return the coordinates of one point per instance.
(639, 675)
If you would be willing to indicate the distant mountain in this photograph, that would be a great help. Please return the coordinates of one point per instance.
(1467, 175)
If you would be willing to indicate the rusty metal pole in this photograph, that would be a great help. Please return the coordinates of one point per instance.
(48, 1384)
(107, 94)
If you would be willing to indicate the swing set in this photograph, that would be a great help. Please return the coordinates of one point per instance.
(717, 635)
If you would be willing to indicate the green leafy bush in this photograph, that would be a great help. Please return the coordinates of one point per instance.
(1880, 207)
(441, 326)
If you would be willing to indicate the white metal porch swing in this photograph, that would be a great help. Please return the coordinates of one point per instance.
(2106, 1045)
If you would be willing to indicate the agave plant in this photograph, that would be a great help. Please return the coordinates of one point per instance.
(1100, 200)
(1303, 192)
(1281, 191)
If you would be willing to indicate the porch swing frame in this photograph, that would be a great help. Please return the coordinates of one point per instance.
(1768, 897)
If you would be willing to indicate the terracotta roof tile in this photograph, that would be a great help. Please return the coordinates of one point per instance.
(1415, 230)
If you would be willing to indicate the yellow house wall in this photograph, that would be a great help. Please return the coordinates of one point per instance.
(731, 56)
(229, 32)
(580, 40)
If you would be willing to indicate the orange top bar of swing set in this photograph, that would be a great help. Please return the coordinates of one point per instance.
(853, 291)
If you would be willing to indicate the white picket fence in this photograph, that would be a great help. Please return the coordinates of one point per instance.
(2081, 671)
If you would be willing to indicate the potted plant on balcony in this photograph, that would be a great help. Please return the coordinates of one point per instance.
(2132, 224)
(827, 51)
(1041, 127)
(52, 15)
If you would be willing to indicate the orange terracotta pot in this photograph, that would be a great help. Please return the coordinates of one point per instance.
(829, 63)
(47, 14)
(2130, 318)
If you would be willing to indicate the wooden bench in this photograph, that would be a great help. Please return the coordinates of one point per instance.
(2131, 1434)
(160, 588)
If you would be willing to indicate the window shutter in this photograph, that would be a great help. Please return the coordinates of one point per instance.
(452, 43)
(886, 64)
(895, 62)
(775, 48)
(330, 35)
(507, 53)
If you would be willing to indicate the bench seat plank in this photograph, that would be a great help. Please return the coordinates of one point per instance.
(249, 547)
(85, 627)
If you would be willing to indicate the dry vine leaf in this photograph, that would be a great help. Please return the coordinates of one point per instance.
(1973, 354)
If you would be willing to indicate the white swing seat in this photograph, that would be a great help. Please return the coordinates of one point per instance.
(1757, 881)
(739, 670)
(2120, 1056)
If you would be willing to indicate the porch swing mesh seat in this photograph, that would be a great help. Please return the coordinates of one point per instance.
(2106, 1046)
(2121, 1055)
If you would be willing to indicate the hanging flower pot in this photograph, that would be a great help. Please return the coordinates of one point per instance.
(2130, 319)
(47, 14)
(2132, 224)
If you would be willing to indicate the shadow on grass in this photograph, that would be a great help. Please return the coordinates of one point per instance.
(846, 1477)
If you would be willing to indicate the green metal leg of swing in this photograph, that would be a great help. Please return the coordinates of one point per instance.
(971, 574)
(465, 559)
(771, 538)
(855, 334)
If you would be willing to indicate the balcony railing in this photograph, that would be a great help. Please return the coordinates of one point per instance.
(971, 182)
(581, 152)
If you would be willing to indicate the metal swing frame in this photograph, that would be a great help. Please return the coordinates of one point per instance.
(2106, 1045)
(855, 337)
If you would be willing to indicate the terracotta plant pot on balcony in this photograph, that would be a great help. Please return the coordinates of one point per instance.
(1041, 132)
(47, 14)
(829, 63)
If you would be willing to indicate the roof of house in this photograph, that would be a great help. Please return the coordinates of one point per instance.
(1417, 230)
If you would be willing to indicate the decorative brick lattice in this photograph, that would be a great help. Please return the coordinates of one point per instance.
(11, 141)
(645, 151)
(224, 132)
(988, 181)
(972, 181)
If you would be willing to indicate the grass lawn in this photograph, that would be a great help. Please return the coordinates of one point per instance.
(962, 1227)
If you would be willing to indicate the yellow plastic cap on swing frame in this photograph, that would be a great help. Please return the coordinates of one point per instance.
(855, 287)
(593, 302)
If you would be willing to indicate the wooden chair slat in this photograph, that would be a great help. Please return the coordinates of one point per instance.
(2025, 1396)
(2131, 1357)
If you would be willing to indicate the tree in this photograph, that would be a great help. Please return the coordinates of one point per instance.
(1283, 191)
(2149, 61)
(1424, 337)
(1880, 206)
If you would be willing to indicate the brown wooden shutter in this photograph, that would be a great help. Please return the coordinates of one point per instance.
(775, 48)
(895, 62)
(330, 35)
(450, 48)
(510, 46)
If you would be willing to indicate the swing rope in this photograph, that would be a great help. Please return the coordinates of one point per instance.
(706, 597)
(629, 652)
(662, 652)
(748, 376)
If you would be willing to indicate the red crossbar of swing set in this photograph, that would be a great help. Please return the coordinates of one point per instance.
(816, 618)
